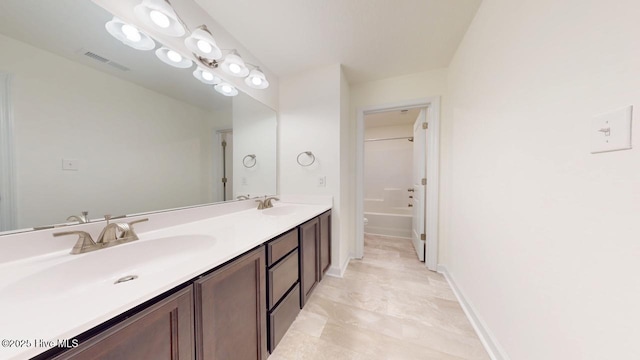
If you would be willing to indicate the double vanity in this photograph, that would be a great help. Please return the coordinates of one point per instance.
(226, 285)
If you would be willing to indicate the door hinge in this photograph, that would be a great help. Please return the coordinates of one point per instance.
(423, 237)
(425, 125)
(224, 180)
(424, 181)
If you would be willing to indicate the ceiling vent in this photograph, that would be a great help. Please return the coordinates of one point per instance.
(104, 60)
(96, 57)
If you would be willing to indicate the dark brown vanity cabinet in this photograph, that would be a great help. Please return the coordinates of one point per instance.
(325, 243)
(309, 258)
(283, 289)
(315, 253)
(230, 309)
(162, 331)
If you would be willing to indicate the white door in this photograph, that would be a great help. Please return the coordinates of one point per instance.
(419, 185)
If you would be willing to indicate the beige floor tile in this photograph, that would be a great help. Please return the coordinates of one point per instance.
(387, 306)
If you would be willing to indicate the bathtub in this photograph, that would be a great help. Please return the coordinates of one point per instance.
(385, 220)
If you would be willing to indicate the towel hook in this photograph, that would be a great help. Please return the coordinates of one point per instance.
(308, 153)
(251, 163)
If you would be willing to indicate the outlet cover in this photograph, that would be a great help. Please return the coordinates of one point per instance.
(611, 131)
(70, 164)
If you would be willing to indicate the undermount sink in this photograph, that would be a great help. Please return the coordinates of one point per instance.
(82, 273)
(281, 210)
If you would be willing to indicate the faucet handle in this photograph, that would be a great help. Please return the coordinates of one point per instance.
(84, 244)
(129, 234)
(81, 219)
(260, 204)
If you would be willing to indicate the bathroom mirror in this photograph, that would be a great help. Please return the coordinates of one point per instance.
(101, 127)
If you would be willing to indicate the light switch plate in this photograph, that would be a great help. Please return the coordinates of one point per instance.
(70, 164)
(611, 131)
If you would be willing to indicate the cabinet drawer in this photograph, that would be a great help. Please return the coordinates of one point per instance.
(282, 277)
(280, 247)
(283, 316)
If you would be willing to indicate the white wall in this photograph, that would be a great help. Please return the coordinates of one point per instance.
(254, 133)
(544, 236)
(310, 119)
(67, 110)
(394, 90)
(388, 167)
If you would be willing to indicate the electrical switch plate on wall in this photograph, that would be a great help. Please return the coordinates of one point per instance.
(70, 164)
(322, 181)
(611, 131)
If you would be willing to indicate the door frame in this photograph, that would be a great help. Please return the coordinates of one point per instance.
(432, 104)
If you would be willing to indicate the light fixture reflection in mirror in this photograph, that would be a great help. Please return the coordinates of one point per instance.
(206, 76)
(129, 35)
(226, 89)
(173, 58)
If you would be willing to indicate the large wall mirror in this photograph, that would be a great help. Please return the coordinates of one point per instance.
(100, 127)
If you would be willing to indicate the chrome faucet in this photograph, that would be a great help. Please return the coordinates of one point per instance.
(81, 219)
(266, 203)
(112, 234)
(84, 244)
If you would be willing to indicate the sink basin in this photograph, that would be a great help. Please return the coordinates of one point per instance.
(281, 210)
(82, 273)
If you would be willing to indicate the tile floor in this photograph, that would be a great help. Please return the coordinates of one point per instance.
(387, 306)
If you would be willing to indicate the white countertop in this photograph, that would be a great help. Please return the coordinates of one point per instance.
(48, 314)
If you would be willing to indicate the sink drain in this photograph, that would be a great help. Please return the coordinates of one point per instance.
(126, 278)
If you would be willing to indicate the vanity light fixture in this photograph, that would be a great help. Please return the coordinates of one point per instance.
(234, 65)
(202, 44)
(159, 15)
(206, 76)
(129, 35)
(173, 58)
(226, 89)
(256, 79)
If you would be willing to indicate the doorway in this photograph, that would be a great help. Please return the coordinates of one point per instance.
(431, 111)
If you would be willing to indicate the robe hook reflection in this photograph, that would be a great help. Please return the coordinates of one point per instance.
(249, 161)
(309, 154)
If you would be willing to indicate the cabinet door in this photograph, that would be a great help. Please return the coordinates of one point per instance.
(309, 258)
(231, 310)
(162, 331)
(325, 243)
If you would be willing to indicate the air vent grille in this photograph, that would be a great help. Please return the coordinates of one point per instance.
(104, 60)
(96, 57)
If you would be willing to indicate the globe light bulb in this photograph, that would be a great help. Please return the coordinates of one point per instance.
(160, 19)
(234, 68)
(174, 56)
(256, 80)
(204, 46)
(131, 33)
(207, 75)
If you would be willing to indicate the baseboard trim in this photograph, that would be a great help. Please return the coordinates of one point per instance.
(339, 272)
(487, 338)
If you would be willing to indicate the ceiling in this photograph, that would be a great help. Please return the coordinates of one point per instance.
(391, 118)
(372, 39)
